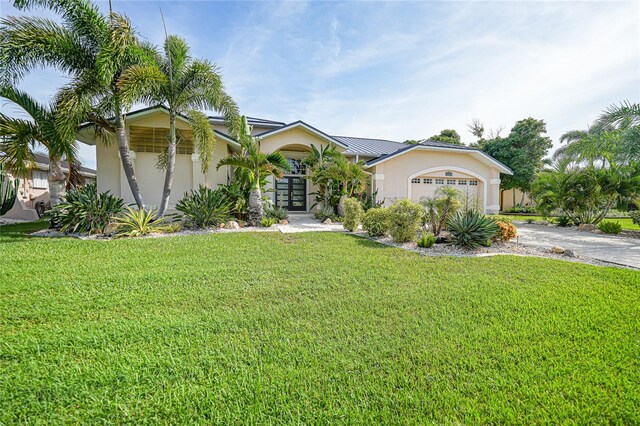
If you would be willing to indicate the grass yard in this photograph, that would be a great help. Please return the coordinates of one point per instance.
(309, 328)
(627, 222)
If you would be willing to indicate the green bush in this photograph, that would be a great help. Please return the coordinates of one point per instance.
(472, 229)
(84, 210)
(352, 214)
(278, 213)
(138, 222)
(427, 240)
(609, 227)
(205, 207)
(563, 221)
(404, 220)
(325, 212)
(635, 216)
(530, 220)
(376, 221)
(267, 222)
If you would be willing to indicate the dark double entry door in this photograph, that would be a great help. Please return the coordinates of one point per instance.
(291, 193)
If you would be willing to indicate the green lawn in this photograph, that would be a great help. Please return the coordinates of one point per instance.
(309, 328)
(626, 222)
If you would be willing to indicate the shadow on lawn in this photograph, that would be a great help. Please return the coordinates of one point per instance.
(18, 232)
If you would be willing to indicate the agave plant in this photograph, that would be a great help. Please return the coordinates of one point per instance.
(471, 229)
(138, 222)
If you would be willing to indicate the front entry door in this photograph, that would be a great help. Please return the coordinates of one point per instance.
(291, 193)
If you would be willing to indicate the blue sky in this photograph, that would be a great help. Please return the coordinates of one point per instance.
(403, 70)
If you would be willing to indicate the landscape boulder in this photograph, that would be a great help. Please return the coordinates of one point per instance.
(284, 222)
(569, 253)
(232, 224)
(328, 221)
(557, 250)
(586, 227)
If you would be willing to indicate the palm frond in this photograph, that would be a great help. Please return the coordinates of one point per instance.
(204, 139)
(615, 114)
(18, 137)
(31, 42)
(142, 83)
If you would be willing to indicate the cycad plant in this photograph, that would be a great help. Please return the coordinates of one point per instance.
(8, 191)
(19, 138)
(255, 166)
(185, 86)
(94, 50)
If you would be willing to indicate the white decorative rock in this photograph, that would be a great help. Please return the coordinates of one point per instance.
(232, 224)
(328, 221)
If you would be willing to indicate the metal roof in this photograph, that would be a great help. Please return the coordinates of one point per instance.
(42, 162)
(368, 146)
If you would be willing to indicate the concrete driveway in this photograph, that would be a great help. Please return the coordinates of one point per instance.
(625, 251)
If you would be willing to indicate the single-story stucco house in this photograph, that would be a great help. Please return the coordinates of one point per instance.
(397, 170)
(34, 188)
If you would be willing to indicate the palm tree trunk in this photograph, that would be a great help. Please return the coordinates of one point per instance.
(255, 208)
(57, 181)
(127, 165)
(171, 165)
(343, 197)
(522, 199)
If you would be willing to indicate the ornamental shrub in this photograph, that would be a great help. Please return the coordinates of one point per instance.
(84, 210)
(635, 216)
(267, 222)
(427, 240)
(205, 207)
(352, 214)
(376, 221)
(405, 217)
(139, 222)
(507, 231)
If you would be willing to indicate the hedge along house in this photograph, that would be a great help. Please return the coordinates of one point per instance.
(397, 170)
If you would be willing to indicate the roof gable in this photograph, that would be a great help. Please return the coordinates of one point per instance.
(444, 147)
(302, 125)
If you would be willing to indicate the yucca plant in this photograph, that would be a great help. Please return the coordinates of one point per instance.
(138, 222)
(84, 210)
(205, 207)
(471, 229)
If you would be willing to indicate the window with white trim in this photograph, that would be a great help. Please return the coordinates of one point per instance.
(439, 181)
(39, 179)
(428, 181)
(451, 181)
(462, 182)
(415, 180)
(473, 182)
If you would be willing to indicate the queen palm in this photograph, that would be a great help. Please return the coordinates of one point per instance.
(19, 137)
(94, 50)
(256, 166)
(185, 86)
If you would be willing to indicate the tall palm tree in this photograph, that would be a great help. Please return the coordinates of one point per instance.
(257, 165)
(20, 137)
(185, 86)
(94, 50)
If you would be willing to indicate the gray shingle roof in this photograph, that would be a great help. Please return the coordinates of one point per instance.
(369, 147)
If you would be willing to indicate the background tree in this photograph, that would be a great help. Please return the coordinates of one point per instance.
(447, 135)
(256, 166)
(19, 138)
(411, 142)
(185, 86)
(94, 50)
(523, 151)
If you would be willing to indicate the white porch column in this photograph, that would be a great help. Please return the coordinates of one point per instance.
(378, 179)
(493, 203)
(198, 177)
